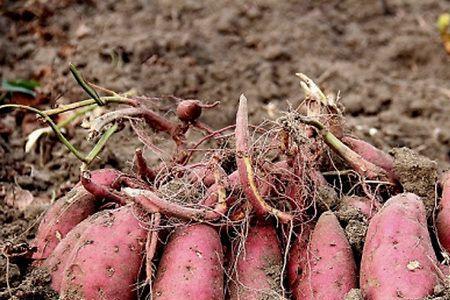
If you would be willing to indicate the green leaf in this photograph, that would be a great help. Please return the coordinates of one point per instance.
(21, 86)
(443, 23)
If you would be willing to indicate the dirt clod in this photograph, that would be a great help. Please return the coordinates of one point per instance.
(356, 232)
(441, 292)
(354, 294)
(417, 174)
(327, 198)
(355, 226)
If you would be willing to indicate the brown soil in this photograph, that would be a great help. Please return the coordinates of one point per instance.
(417, 174)
(441, 292)
(389, 66)
(355, 226)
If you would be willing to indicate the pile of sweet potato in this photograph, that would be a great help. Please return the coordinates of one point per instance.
(292, 209)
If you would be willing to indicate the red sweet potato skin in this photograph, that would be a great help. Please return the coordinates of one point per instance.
(298, 257)
(257, 267)
(62, 216)
(364, 205)
(107, 259)
(398, 260)
(57, 261)
(372, 154)
(67, 212)
(443, 217)
(191, 266)
(330, 271)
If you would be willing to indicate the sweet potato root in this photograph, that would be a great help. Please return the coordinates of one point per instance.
(330, 271)
(107, 259)
(191, 265)
(67, 212)
(257, 268)
(398, 260)
(443, 217)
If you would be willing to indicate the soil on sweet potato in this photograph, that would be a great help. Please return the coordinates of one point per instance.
(389, 66)
(354, 294)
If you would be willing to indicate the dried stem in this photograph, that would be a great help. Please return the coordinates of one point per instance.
(245, 167)
(101, 191)
(149, 200)
(150, 246)
(156, 121)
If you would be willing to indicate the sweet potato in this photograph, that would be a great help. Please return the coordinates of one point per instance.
(57, 261)
(330, 271)
(191, 265)
(62, 216)
(107, 259)
(398, 260)
(298, 257)
(257, 267)
(362, 204)
(67, 212)
(372, 154)
(201, 174)
(443, 217)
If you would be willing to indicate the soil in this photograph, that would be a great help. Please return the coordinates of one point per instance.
(354, 294)
(388, 64)
(417, 174)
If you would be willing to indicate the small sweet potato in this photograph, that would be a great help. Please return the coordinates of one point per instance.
(107, 259)
(372, 154)
(257, 267)
(201, 174)
(67, 212)
(330, 270)
(191, 265)
(398, 260)
(363, 205)
(443, 217)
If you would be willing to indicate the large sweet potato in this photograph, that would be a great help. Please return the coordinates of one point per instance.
(330, 271)
(57, 261)
(398, 260)
(106, 261)
(191, 266)
(257, 267)
(67, 212)
(443, 217)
